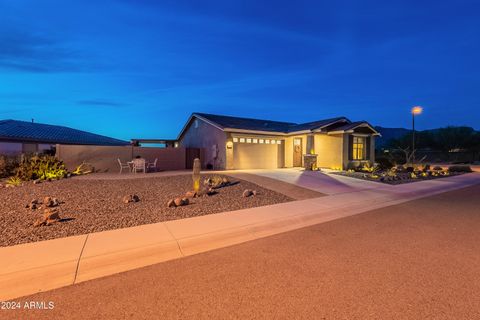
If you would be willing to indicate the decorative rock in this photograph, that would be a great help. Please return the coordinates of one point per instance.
(178, 202)
(171, 204)
(9, 186)
(248, 193)
(131, 198)
(50, 216)
(48, 202)
(185, 202)
(37, 181)
(191, 194)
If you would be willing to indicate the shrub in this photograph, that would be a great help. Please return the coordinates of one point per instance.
(368, 167)
(14, 181)
(41, 167)
(409, 169)
(384, 163)
(353, 166)
(459, 168)
(437, 168)
(216, 182)
(7, 166)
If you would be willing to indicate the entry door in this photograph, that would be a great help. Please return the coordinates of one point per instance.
(297, 152)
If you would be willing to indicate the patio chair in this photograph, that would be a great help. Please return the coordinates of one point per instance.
(152, 165)
(123, 166)
(139, 165)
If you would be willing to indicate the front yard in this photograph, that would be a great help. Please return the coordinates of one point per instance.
(97, 205)
(400, 174)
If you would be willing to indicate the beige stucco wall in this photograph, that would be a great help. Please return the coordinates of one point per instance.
(104, 158)
(329, 149)
(206, 136)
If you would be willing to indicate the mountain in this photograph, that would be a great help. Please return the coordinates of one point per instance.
(388, 134)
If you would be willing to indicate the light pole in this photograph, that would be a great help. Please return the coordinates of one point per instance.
(415, 110)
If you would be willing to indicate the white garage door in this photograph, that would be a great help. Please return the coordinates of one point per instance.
(255, 156)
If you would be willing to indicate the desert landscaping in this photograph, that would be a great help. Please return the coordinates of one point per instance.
(91, 205)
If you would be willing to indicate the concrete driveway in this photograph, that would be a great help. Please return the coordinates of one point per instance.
(322, 182)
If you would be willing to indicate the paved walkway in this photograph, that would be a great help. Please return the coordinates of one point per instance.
(46, 265)
(416, 260)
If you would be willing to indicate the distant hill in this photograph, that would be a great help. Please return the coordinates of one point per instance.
(388, 134)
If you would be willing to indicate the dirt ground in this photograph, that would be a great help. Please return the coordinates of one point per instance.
(417, 260)
(96, 205)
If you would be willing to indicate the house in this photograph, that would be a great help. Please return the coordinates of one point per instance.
(18, 137)
(243, 143)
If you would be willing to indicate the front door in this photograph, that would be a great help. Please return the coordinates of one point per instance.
(297, 152)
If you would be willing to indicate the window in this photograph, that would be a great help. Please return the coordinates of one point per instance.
(242, 140)
(249, 140)
(255, 140)
(273, 142)
(261, 141)
(358, 148)
(279, 141)
(235, 139)
(267, 141)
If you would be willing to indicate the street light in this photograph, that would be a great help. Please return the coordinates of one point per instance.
(415, 111)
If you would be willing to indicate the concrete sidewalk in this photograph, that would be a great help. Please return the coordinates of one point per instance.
(40, 266)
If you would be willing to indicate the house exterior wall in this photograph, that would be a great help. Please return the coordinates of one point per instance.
(329, 149)
(105, 158)
(205, 136)
(10, 148)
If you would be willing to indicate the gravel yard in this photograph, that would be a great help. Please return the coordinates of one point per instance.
(96, 205)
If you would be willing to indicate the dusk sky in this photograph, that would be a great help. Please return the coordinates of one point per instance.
(138, 68)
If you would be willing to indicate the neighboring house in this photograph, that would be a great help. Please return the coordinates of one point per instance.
(18, 137)
(242, 143)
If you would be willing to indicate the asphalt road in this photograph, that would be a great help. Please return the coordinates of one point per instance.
(417, 260)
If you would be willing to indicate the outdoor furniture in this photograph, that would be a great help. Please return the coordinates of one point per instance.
(152, 165)
(139, 165)
(123, 165)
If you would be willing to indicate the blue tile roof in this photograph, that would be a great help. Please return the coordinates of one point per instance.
(265, 125)
(14, 130)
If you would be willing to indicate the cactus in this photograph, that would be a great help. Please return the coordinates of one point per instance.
(196, 174)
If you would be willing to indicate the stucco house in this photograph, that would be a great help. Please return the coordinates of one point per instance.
(243, 143)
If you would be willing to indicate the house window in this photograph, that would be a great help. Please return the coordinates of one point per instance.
(358, 148)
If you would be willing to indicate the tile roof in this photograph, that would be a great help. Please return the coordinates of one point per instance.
(353, 125)
(15, 130)
(264, 125)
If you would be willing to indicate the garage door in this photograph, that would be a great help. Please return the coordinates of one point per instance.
(255, 156)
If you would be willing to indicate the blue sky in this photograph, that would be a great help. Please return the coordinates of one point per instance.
(138, 68)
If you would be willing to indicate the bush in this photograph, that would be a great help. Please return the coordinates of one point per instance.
(384, 163)
(7, 166)
(459, 168)
(437, 168)
(409, 169)
(41, 167)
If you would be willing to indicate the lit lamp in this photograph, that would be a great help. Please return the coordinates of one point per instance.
(415, 111)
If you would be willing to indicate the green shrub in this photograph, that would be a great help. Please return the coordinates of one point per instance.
(41, 167)
(459, 168)
(14, 181)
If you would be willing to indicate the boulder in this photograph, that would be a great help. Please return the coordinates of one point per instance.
(171, 204)
(247, 193)
(50, 216)
(178, 202)
(130, 198)
(185, 202)
(191, 194)
(48, 202)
